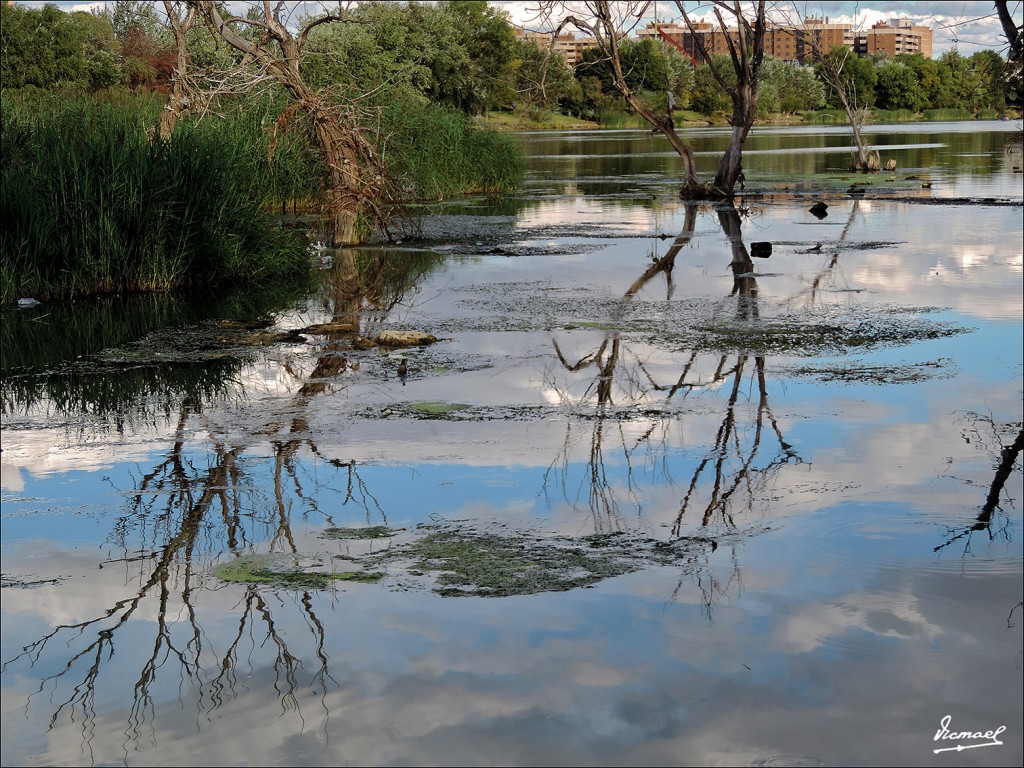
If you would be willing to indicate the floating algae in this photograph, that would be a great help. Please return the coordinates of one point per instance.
(437, 408)
(467, 562)
(286, 571)
(370, 532)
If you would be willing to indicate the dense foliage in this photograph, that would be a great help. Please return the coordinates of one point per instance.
(92, 205)
(465, 55)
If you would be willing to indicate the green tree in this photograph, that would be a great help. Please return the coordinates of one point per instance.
(962, 83)
(929, 78)
(491, 46)
(789, 87)
(708, 97)
(410, 47)
(856, 75)
(991, 69)
(41, 47)
(897, 87)
(543, 81)
(100, 47)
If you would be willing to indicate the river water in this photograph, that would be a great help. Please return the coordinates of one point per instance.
(685, 504)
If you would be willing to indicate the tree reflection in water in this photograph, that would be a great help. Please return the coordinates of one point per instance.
(729, 477)
(183, 516)
(729, 467)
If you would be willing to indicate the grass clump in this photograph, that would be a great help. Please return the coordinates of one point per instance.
(943, 115)
(894, 116)
(436, 152)
(825, 117)
(93, 205)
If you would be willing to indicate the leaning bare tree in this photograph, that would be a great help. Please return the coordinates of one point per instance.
(1013, 30)
(609, 22)
(832, 68)
(179, 19)
(355, 175)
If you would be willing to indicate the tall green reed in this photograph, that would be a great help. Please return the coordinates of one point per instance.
(92, 204)
(435, 152)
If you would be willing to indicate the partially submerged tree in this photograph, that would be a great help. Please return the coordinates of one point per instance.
(355, 174)
(609, 22)
(844, 73)
(835, 68)
(745, 43)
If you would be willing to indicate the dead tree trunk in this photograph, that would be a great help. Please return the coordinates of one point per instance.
(746, 52)
(830, 65)
(177, 104)
(606, 34)
(345, 149)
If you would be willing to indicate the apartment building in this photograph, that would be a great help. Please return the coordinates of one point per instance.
(566, 43)
(795, 42)
(895, 37)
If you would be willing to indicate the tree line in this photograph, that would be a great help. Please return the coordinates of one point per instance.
(467, 55)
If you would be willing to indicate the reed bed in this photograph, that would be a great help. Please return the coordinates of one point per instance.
(435, 152)
(942, 115)
(894, 116)
(92, 204)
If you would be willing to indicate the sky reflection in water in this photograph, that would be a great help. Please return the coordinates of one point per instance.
(851, 598)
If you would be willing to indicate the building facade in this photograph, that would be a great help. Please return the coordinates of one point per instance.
(796, 42)
(566, 43)
(895, 37)
(793, 42)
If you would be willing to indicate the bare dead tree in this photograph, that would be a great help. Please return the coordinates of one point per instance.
(745, 43)
(831, 66)
(356, 178)
(609, 22)
(179, 19)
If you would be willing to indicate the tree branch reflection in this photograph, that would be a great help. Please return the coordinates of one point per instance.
(181, 516)
(732, 474)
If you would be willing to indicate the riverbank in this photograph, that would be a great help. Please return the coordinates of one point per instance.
(521, 120)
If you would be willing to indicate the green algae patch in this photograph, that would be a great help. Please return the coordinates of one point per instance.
(826, 335)
(369, 532)
(360, 577)
(489, 565)
(437, 408)
(459, 561)
(286, 572)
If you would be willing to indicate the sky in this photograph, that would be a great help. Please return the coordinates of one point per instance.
(968, 25)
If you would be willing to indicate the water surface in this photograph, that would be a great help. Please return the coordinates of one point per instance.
(793, 456)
